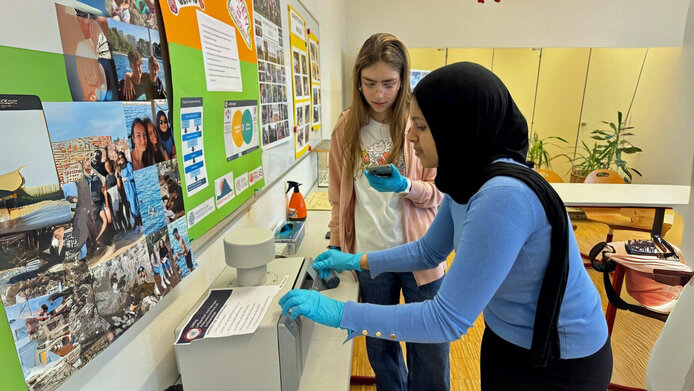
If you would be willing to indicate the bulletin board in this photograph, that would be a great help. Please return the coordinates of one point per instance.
(280, 156)
(92, 220)
(301, 86)
(214, 73)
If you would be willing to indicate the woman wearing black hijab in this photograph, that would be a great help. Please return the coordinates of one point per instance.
(516, 261)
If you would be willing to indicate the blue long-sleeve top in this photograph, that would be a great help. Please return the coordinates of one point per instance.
(501, 239)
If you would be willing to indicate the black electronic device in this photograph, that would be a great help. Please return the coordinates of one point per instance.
(381, 170)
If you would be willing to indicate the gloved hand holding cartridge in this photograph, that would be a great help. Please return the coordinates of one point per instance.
(394, 183)
(312, 305)
(336, 260)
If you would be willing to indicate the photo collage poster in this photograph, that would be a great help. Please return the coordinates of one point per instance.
(314, 59)
(300, 81)
(91, 234)
(272, 73)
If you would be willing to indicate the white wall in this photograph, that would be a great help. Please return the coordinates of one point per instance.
(330, 14)
(548, 23)
(688, 138)
(529, 23)
(143, 358)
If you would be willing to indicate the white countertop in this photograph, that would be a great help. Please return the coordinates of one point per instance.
(329, 361)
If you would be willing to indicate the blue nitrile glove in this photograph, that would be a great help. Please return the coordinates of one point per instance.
(333, 259)
(312, 305)
(394, 183)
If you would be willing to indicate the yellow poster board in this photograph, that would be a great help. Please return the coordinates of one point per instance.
(314, 60)
(301, 87)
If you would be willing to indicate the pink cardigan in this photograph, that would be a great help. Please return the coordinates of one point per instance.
(420, 205)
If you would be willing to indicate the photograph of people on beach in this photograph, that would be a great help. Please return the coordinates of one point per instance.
(96, 177)
(165, 271)
(171, 191)
(180, 247)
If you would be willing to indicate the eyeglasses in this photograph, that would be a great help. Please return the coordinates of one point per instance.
(388, 85)
(666, 250)
(162, 122)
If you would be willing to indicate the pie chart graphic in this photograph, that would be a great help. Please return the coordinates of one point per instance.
(247, 126)
(242, 127)
(237, 129)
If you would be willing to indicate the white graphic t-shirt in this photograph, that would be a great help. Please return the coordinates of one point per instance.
(377, 216)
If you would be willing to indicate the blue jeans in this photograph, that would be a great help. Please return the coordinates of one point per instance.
(429, 367)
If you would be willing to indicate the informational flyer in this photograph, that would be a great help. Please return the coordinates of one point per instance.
(255, 175)
(192, 145)
(224, 189)
(240, 129)
(228, 312)
(220, 54)
(241, 183)
(200, 212)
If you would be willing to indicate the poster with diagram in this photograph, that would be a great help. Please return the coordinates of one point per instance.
(240, 128)
(272, 74)
(301, 89)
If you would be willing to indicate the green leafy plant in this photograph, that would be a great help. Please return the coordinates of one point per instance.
(586, 161)
(537, 152)
(614, 145)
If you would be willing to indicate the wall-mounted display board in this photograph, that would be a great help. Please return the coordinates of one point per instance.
(92, 226)
(298, 42)
(214, 74)
(314, 60)
(272, 73)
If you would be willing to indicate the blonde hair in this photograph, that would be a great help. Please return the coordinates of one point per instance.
(378, 47)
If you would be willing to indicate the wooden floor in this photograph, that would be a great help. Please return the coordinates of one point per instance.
(632, 338)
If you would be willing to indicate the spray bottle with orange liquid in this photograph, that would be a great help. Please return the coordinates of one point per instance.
(296, 210)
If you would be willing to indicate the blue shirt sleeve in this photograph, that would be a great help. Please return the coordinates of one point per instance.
(496, 224)
(427, 252)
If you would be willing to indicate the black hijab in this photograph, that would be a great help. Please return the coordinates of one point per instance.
(474, 121)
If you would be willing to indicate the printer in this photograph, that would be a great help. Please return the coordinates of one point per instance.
(271, 358)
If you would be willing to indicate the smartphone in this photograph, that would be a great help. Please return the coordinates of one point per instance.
(382, 170)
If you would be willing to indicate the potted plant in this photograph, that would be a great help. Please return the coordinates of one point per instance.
(614, 146)
(539, 156)
(586, 161)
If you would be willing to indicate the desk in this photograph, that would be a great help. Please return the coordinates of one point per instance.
(329, 360)
(658, 197)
